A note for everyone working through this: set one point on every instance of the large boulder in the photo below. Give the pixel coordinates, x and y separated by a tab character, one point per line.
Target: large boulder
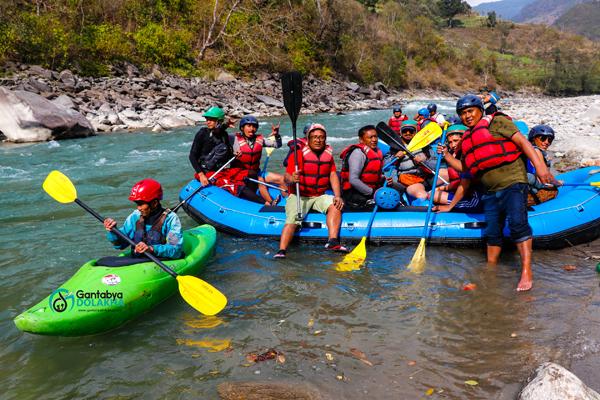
553	382
28	117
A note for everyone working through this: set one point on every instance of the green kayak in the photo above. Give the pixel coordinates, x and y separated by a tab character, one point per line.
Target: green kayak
97	298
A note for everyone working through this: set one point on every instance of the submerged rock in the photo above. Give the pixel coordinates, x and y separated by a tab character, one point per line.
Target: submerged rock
553	382
267	391
28	117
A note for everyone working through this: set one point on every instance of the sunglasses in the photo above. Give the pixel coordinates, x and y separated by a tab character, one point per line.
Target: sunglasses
546	139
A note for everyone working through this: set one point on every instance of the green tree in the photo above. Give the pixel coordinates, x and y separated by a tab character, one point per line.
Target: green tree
491	19
449	9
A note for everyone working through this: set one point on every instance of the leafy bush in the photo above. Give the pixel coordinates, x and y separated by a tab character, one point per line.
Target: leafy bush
164	46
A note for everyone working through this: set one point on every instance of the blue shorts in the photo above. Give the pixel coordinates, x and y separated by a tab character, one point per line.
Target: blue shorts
507	204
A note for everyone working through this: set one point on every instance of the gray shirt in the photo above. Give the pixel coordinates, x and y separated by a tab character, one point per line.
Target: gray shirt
356	163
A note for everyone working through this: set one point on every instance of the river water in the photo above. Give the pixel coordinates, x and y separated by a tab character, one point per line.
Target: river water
380	332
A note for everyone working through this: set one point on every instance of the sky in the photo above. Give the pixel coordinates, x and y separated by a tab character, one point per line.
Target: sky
475	2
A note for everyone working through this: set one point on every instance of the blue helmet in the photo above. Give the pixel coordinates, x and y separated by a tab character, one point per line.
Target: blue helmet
469	100
540	130
432	107
397	108
424	112
306	128
454	119
248	120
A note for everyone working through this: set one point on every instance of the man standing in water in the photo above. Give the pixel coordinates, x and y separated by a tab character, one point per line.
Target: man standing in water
316	173
492	150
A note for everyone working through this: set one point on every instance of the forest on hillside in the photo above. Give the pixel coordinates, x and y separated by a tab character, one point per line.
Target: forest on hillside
417	44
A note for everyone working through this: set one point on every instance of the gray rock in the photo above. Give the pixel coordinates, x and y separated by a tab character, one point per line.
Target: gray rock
39	85
269	101
64	101
553	382
67	78
173	121
40	71
225	77
27	117
352	86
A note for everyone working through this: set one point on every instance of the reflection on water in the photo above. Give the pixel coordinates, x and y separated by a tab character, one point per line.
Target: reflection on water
379	332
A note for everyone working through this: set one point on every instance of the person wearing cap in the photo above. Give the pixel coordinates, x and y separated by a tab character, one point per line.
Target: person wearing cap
212	148
397	118
154	229
248	146
444	194
436	116
541	137
492	151
315	175
362	166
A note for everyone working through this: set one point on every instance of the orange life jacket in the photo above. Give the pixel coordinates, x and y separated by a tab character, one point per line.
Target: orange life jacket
250	156
371	172
314	178
483	151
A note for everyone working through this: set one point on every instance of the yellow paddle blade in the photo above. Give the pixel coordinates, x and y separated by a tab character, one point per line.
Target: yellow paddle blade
353	260
417	264
425	136
270	150
596	184
60	187
201	295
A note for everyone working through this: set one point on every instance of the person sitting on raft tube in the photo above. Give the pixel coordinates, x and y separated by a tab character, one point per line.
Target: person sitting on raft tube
316	173
412	178
397	118
492	152
300	142
153	228
471	201
541	137
247	146
436	116
362	166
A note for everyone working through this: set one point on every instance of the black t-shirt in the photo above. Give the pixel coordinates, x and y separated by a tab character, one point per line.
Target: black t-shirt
210	150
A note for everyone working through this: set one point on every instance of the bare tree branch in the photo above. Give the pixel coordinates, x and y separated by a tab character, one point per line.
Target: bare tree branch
208	41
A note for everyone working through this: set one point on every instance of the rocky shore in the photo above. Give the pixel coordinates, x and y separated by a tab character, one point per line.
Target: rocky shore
133	100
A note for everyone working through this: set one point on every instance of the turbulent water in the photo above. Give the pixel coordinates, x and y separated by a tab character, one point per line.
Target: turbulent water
379	332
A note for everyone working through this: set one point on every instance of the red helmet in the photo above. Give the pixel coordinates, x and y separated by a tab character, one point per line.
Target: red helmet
146	190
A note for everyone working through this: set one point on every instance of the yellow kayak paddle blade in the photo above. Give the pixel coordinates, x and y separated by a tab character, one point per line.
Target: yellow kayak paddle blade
417	264
201	295
353	260
425	136
269	150
60	187
595	184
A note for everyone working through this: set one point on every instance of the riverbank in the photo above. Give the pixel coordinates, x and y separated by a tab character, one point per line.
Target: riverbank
132	100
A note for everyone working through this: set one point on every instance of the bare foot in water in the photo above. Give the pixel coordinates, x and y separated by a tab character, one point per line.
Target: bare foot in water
526	281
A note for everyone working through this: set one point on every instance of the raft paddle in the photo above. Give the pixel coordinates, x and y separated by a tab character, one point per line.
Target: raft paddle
291	86
196	292
417	264
425	137
595	184
269	150
199	188
265	184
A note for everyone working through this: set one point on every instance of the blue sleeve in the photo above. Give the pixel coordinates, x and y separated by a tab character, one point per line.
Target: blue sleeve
128	229
172	231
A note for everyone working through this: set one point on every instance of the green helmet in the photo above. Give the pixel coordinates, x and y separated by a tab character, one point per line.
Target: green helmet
409	123
214	112
456	129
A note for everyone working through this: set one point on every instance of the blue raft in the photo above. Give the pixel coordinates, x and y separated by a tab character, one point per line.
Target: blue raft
573	217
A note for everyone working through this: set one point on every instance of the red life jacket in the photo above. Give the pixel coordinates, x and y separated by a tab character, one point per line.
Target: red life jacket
425	122
314	178
396	123
483	151
301	143
371	172
250	156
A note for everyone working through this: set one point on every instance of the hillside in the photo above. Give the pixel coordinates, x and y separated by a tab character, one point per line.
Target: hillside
545	11
506	9
583	19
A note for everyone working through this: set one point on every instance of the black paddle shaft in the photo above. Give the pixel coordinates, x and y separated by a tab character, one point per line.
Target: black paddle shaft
291	86
127	239
389	136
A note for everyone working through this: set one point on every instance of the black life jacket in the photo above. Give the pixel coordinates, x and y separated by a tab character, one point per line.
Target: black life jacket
154	235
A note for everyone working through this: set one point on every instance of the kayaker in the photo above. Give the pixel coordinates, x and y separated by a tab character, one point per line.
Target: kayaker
247	145
301	142
434	115
541	137
412	178
153	228
397	118
212	148
471	201
316	173
362	165
492	152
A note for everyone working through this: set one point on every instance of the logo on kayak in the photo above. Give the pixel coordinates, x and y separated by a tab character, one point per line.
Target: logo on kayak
111	279
60	300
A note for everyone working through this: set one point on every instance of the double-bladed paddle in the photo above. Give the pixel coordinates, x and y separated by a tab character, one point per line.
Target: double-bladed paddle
291	86
197	293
